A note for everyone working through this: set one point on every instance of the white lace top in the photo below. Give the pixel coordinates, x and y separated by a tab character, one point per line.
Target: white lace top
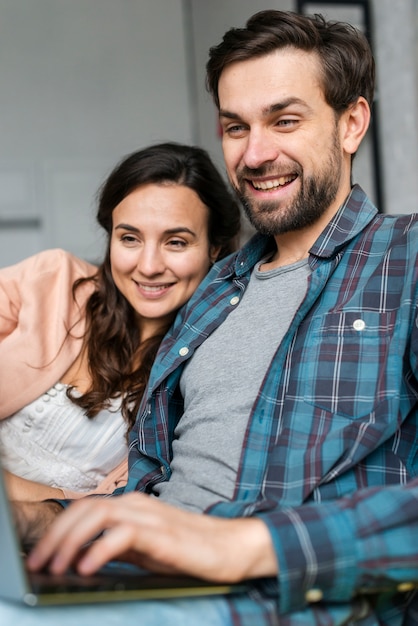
51	441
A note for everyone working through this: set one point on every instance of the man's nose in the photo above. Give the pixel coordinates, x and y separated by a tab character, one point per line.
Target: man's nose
261	148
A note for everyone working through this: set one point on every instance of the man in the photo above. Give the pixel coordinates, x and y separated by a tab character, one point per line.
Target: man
283	402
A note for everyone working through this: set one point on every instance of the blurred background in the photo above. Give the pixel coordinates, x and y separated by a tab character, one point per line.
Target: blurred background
85	82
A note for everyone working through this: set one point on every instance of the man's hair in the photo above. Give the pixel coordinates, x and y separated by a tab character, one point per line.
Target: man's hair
348	69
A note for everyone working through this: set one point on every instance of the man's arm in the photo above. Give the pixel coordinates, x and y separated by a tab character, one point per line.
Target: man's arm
342	547
34	518
335	548
156	536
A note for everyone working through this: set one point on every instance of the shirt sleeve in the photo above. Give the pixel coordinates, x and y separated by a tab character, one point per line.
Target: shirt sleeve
335	550
37	311
10	302
25	286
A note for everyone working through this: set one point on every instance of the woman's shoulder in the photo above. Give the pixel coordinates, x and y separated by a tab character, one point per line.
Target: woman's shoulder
48	265
44	272
56	259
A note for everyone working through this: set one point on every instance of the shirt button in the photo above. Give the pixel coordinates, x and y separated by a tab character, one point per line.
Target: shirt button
359	325
314	595
183	351
406	586
234	300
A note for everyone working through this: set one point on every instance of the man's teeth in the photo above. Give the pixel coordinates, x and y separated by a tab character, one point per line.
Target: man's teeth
272	184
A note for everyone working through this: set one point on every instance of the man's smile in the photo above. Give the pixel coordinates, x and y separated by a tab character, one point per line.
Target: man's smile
275	183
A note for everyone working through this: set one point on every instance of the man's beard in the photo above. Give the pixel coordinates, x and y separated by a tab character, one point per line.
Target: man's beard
315	196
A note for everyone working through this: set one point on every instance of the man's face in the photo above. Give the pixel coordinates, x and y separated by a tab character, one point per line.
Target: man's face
282	141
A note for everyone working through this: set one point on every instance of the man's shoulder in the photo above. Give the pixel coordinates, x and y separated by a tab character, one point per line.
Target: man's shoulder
395	218
397	226
392	238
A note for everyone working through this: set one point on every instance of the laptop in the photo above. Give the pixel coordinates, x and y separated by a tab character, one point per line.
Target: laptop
117	581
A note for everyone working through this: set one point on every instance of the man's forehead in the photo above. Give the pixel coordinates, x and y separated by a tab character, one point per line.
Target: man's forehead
285	75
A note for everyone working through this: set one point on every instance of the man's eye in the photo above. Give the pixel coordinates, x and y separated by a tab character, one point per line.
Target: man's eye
236	129
287	123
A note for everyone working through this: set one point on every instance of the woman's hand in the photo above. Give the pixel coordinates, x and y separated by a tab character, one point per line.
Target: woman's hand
155	536
21	489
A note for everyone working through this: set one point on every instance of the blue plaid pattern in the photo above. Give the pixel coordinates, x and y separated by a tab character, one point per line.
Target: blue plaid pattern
334	421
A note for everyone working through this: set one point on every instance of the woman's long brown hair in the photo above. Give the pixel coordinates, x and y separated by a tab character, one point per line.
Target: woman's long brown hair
119	364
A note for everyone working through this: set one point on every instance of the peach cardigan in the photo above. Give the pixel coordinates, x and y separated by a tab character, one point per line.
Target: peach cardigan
36	311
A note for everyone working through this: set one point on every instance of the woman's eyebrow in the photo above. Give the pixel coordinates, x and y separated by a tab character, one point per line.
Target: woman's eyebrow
168	231
127	227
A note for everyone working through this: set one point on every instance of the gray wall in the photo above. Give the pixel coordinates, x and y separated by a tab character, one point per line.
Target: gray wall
84	82
396	39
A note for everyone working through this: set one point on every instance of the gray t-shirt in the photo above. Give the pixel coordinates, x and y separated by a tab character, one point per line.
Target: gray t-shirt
220	384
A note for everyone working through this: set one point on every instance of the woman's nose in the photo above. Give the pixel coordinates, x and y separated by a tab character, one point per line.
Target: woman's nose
150	261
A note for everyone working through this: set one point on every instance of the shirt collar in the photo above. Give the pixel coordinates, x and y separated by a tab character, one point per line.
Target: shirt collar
351	218
256	248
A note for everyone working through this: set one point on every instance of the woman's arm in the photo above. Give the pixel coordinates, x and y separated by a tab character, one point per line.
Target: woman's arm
36	310
21	489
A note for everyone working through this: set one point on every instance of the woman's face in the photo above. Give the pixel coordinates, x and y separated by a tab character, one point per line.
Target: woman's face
159	250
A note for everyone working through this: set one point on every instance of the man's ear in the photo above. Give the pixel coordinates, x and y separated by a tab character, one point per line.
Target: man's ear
355	124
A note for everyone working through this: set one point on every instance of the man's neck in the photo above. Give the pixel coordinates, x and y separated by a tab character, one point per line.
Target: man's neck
293	246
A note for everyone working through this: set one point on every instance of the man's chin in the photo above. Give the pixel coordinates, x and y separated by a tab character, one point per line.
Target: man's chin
268	219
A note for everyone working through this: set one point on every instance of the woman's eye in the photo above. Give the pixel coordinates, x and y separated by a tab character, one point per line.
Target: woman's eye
128	239
177	243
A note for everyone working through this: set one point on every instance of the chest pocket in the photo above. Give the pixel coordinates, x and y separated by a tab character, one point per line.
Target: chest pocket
347	361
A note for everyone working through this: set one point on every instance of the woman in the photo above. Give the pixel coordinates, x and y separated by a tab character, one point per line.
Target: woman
77	342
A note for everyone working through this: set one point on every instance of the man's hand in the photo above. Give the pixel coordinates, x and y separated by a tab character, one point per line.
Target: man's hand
34	518
158	537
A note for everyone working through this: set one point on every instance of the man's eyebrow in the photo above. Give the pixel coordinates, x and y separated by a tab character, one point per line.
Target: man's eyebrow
228	114
276	107
284	104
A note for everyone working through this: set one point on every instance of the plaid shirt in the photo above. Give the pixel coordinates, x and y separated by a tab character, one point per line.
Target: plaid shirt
334	421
